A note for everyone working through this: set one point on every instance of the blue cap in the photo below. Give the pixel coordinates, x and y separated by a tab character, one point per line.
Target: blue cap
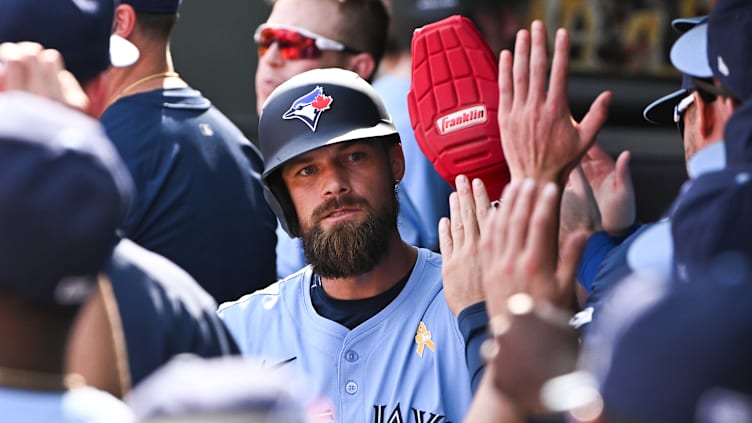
154	6
79	29
720	48
682	25
684	357
63	193
661	111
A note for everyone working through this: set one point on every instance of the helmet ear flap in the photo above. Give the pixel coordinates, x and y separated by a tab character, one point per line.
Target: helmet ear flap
281	204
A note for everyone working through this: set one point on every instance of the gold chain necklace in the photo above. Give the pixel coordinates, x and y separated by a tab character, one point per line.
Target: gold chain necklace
147	78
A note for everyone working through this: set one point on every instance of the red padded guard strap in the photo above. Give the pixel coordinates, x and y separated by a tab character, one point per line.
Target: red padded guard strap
453	103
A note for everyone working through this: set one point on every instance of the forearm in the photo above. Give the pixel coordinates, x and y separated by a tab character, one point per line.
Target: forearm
473	323
597	248
491	405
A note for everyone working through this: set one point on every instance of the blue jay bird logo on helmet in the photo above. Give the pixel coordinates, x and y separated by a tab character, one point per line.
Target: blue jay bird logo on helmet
309	107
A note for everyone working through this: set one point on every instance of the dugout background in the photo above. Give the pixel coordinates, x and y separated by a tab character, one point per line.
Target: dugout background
213	50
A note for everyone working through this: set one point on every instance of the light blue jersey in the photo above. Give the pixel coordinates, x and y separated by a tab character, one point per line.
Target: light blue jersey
79	405
405	364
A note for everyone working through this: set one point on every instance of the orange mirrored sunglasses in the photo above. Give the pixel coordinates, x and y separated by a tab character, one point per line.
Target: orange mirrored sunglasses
295	43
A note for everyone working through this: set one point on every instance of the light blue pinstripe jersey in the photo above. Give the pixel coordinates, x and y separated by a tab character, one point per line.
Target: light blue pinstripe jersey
375	372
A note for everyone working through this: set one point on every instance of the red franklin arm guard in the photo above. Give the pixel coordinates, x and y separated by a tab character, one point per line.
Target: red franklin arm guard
453	103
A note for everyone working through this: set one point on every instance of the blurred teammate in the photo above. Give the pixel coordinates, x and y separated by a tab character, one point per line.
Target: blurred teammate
163	311
64	192
200	201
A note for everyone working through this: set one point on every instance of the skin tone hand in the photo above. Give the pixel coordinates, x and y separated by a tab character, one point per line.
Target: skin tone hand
527	286
611	183
29	67
519	249
459	236
540	138
579	209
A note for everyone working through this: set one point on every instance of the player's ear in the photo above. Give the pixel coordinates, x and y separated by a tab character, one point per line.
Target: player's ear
125	20
707	119
397	160
362	64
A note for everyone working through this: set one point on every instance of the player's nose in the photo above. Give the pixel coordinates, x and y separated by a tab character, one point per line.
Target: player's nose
273	55
335	182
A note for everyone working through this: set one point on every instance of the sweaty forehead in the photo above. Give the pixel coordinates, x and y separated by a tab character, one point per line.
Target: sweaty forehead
318	16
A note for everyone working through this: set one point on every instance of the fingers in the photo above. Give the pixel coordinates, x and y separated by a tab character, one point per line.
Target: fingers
571	254
577	180
14	74
498	226
29	67
446	246
506	90
43	70
596	153
623	176
72	93
482	201
595	118
520	216
542	237
538	62
521	66
557	91
467	205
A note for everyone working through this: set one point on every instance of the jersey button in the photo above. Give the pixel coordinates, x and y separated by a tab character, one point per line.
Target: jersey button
351	388
351	356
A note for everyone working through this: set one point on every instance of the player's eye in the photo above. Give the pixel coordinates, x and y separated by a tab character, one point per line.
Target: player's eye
356	156
306	171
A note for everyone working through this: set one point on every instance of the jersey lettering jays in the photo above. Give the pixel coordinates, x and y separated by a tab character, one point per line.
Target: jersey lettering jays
404	364
419	416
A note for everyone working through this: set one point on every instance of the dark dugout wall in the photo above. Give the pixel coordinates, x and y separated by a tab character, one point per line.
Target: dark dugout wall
214	51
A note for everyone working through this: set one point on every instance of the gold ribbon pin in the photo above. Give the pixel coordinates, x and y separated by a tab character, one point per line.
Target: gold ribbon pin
423	338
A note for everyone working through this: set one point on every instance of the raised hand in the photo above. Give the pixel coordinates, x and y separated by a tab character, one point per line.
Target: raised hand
579	209
519	248
31	68
541	139
459	236
611	183
526	287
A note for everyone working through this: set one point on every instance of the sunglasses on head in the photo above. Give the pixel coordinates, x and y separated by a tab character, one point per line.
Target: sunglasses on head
679	110
295	43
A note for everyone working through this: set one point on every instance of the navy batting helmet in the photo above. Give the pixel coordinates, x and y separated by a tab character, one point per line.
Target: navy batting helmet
311	110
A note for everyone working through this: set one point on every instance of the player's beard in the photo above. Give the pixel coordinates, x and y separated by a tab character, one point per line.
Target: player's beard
350	248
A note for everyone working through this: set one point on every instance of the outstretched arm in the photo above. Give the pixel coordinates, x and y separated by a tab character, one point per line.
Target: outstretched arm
611	183
459	236
540	138
527	285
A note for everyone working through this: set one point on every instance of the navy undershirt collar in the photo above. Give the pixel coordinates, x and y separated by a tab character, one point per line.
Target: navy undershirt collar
351	313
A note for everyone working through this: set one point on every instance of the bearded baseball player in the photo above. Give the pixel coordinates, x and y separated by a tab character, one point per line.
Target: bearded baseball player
367	321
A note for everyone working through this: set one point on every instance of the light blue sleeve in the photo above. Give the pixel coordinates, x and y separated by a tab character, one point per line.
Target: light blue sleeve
290	257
